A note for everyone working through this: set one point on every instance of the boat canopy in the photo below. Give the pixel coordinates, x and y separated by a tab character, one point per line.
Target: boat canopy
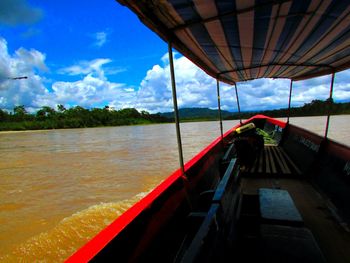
239	40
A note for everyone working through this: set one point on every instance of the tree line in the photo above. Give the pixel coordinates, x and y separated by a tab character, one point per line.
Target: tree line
75	117
314	108
79	117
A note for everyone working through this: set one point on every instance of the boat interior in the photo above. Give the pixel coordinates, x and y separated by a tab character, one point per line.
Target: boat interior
266	190
273	210
287	204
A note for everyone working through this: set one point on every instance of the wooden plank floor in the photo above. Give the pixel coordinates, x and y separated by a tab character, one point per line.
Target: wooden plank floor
332	238
273	160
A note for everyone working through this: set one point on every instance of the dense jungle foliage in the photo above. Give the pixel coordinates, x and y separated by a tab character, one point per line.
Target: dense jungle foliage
79	117
76	117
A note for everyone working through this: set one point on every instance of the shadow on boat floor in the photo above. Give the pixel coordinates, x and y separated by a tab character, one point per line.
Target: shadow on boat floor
279	240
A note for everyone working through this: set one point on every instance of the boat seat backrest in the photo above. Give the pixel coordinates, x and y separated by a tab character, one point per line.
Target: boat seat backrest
202	247
219	221
229	153
227	189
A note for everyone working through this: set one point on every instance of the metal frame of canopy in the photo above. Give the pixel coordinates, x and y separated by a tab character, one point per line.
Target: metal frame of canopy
241	40
176	110
102	240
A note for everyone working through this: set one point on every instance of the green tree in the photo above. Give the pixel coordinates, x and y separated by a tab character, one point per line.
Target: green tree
101	116
19	110
20	113
61	108
129	113
45	112
4	115
78	117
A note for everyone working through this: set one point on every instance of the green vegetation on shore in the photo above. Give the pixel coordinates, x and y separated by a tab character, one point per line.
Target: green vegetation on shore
314	108
79	117
76	117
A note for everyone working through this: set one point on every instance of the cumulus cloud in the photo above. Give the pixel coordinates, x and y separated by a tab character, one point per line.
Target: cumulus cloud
196	89
193	87
263	94
88	92
22	63
342	86
15	12
93	90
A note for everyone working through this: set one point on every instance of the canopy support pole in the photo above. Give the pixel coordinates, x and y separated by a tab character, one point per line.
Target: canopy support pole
239	108
219	106
176	110
290	98
330	101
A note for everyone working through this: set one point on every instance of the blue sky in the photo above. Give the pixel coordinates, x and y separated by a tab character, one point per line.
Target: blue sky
94	53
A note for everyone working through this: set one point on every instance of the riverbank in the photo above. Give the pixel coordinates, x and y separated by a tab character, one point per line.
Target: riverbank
78	117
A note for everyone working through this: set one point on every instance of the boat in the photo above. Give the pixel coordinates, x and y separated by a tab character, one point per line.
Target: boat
242	199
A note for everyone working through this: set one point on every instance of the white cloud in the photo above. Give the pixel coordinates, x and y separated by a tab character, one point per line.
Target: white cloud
100	38
196	89
93	90
14	12
262	94
86	67
342	86
88	92
22	63
91	67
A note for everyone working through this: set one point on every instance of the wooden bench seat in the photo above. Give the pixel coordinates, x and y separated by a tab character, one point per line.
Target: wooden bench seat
288	245
277	207
273	160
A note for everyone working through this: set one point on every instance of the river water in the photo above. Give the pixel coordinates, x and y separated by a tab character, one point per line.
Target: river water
59	188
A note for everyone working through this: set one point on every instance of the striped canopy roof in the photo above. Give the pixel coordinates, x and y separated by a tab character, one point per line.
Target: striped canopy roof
238	40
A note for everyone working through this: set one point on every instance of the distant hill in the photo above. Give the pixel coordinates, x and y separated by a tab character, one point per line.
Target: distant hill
197	114
313	108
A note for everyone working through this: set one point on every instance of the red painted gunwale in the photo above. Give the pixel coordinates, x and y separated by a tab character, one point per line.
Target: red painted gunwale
97	243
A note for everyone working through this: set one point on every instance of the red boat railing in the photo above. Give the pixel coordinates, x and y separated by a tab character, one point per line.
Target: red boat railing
95	245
